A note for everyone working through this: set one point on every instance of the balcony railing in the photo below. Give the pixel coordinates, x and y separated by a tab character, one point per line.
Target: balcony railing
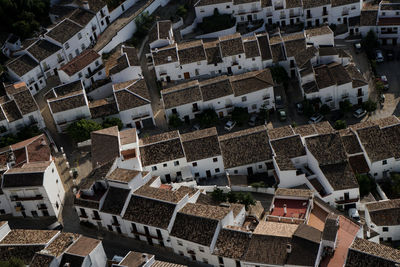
17	198
133	231
115	223
344	201
96	218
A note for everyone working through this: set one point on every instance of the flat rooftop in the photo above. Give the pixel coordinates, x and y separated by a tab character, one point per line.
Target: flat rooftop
294	208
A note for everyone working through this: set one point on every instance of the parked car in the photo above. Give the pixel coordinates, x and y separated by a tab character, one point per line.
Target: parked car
379	56
299	108
357	48
279	102
389	54
385	82
359	113
316	118
282	115
252	120
353	213
229	125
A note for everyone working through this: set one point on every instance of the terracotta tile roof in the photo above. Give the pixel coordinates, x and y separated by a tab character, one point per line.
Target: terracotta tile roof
185	93
43	49
134	95
105	145
83	246
351	144
23	252
165	55
115	200
312	3
323	127
251	81
293	3
166	264
213	52
195	229
232	244
323	77
326	148
205	211
81	16
331	228
134	259
277	52
280	132
25	102
339	73
72	260
68	103
191	52
340	176
22	65
388	121
290	147
102	108
304	193
275	229
149	212
40	260
251	49
80	62
212	2
60	244
68	89
231	45
96	174
26	237
359	164
385	212
64	31
273	250
128	136
294	44
305	246
366	253
215	88
132	55
165	149
160	31
22	178
336	3
245	147
368	17
305	56
305	130
201	144
263	43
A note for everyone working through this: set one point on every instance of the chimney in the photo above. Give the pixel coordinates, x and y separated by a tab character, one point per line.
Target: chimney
368	233
86	5
43	142
288	248
144	256
284	209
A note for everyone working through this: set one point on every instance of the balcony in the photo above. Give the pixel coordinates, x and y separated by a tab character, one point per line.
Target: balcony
235	63
282	16
42	207
190	251
41	75
345	201
141	115
84	216
115	223
17	198
195	109
60	59
293	15
269	14
96	218
389	32
91	73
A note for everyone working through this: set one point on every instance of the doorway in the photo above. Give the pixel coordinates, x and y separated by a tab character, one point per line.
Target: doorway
220	114
138	125
168	178
186	75
249	17
229	70
187	119
250	171
208	173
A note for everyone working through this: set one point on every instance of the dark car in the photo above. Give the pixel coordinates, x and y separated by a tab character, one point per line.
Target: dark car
389	54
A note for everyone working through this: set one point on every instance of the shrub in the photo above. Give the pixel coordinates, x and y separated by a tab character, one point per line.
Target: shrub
369	106
79	131
340	124
182	11
308	108
366	183
13	262
240	115
208	118
370	43
109	122
218	195
379	86
217	23
174	120
345	106
280	75
325	109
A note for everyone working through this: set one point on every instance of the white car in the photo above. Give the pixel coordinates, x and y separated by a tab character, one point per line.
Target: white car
315	118
353	213
359	113
379	56
229	125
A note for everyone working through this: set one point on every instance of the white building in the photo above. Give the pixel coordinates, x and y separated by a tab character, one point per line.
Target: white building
127	66
252	90
33	186
161	35
68	103
134	103
87	67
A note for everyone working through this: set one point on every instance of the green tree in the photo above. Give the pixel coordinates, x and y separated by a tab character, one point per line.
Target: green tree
395	182
246	199
109	122
218	195
240	115
345	106
79	131
369	106
143	23
340	124
280	75
13	262
28	132
325	109
366	183
370	43
208	118
379	86
232	197
308	108
182	11
174	121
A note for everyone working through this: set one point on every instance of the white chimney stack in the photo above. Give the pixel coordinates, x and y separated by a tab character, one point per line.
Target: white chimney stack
288	248
86	5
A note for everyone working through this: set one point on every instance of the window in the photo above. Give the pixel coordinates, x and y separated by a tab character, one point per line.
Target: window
154	168
66	45
383	13
96	63
215	159
205	260
239	67
217	170
201	249
83	47
176	163
70	56
174	111
244	98
57	206
79	36
165	165
339	19
180	243
384	162
179	174
385	229
194	164
235	171
77	52
389	239
260	166
254	106
228	6
181	253
220	260
80	74
197	174
239	56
